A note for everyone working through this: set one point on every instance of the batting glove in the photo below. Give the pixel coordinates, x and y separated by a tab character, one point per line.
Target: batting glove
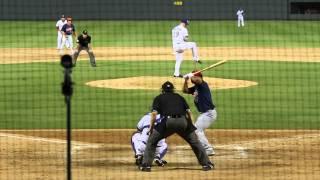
189	75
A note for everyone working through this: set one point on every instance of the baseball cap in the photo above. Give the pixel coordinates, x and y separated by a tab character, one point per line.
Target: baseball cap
85	32
167	86
186	21
62	16
199	74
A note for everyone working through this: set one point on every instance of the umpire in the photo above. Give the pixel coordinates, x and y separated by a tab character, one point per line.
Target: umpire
177	118
84	41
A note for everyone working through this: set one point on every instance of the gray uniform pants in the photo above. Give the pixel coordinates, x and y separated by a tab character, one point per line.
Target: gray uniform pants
179	126
89	51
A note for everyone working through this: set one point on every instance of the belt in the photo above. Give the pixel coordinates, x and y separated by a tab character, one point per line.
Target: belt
174	116
208	110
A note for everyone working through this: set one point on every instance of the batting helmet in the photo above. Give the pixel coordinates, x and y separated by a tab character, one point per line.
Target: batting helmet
199	74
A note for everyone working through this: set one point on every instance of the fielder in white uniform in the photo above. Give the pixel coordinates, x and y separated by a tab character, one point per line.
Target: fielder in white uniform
180	44
139	140
59	26
240	14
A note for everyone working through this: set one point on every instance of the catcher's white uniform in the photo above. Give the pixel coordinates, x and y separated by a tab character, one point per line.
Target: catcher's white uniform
240	13
140	137
179	44
59	26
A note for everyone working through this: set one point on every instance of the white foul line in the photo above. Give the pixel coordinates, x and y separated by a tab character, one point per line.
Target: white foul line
77	145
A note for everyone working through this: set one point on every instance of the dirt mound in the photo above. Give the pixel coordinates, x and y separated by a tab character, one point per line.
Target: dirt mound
155	82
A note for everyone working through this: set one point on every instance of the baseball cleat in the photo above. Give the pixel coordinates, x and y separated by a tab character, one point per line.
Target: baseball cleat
198	61
208	167
179	76
139	159
160	162
145	168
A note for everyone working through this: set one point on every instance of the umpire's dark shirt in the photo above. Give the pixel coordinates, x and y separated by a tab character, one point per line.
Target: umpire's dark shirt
169	103
84	41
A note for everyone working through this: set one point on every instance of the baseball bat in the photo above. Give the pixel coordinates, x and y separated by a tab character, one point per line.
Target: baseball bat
211	66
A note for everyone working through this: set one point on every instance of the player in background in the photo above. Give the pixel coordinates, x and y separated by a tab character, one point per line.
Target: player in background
59	26
84	43
139	140
180	44
240	14
205	106
68	31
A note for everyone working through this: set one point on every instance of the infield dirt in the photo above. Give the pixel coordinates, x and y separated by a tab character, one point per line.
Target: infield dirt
26	55
107	154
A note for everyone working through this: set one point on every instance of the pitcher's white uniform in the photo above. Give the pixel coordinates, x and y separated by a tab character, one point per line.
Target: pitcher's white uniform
179	44
59	26
240	17
139	139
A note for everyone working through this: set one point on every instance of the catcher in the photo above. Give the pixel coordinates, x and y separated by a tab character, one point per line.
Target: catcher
139	140
84	41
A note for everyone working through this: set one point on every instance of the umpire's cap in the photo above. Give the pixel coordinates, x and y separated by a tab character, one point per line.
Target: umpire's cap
185	21
167	87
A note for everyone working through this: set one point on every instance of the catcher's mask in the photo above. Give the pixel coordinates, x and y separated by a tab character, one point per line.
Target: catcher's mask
167	87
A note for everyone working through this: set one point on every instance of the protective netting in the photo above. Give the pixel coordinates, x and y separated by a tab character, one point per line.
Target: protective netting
255	108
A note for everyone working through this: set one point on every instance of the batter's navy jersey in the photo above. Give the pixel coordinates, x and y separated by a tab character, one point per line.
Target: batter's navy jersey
68	29
203	99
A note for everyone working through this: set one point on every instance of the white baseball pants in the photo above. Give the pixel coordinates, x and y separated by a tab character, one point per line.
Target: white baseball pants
59	40
203	122
240	21
179	49
139	142
68	43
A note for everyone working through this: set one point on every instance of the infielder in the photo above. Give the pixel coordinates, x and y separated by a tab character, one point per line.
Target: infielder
59	26
240	14
180	44
84	41
68	31
204	104
139	140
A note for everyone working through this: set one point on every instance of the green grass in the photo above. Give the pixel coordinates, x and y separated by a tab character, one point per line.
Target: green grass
287	96
158	33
